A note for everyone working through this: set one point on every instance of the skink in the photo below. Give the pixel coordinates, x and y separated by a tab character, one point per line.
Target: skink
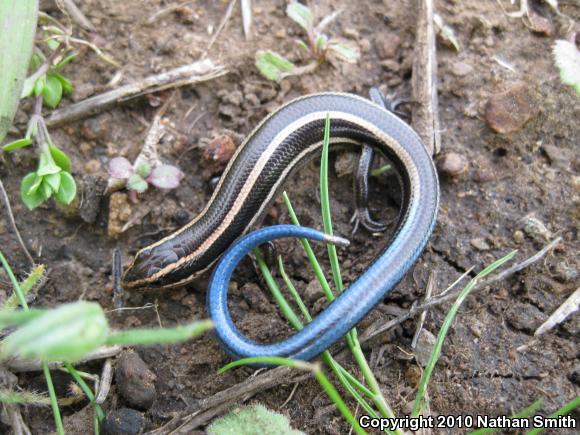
282	141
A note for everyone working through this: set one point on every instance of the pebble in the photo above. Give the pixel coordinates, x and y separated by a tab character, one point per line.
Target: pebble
124	421
483	175
536	229
217	153
313	291
480	244
509	111
93	166
461	69
518	236
452	164
387	45
135	381
540	24
413	375
424	347
93	190
345	164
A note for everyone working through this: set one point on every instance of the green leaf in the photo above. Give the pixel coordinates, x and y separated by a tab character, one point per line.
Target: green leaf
65	61
254	419
143	169
34	199
52	92
52	44
301	14
68	188
17	144
60	158
344	50
35	184
46	165
321	41
272	65
17	29
300	43
67	86
136	183
45	189
66	333
567	58
53	180
39	85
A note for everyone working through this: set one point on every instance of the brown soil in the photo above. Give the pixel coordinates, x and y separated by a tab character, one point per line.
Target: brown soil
483	369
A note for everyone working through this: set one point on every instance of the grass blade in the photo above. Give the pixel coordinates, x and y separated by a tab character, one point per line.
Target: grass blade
436	353
18	21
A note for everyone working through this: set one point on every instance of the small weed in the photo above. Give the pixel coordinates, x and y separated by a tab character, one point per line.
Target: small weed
137	180
318	47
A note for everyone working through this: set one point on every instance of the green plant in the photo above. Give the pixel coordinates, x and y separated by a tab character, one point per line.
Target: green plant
137	180
53	176
318	47
567	58
66	334
252	420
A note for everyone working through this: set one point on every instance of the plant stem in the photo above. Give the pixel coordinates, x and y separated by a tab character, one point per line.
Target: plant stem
53	400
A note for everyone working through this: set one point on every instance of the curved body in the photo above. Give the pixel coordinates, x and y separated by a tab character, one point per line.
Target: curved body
278	145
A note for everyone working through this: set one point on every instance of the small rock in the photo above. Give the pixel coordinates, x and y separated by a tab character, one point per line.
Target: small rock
536	229
413	375
480	244
509	111
452	164
540	24
217	153
280	34
123	421
574	375
345	164
93	166
524	317
313	291
566	272
387	45
461	69
119	213
518	236
135	381
256	298
186	15
424	347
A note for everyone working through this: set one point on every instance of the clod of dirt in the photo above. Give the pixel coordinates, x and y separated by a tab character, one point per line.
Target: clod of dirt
345	164
524	317
413	375
313	291
123	421
119	213
536	229
93	191
483	175
135	381
452	164
461	69
509	111
424	347
216	155
387	45
255	298
79	422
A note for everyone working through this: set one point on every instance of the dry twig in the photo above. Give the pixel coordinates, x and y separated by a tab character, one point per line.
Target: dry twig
424	81
197	72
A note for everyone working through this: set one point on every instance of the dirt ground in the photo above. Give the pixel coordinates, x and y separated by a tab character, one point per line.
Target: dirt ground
491	363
